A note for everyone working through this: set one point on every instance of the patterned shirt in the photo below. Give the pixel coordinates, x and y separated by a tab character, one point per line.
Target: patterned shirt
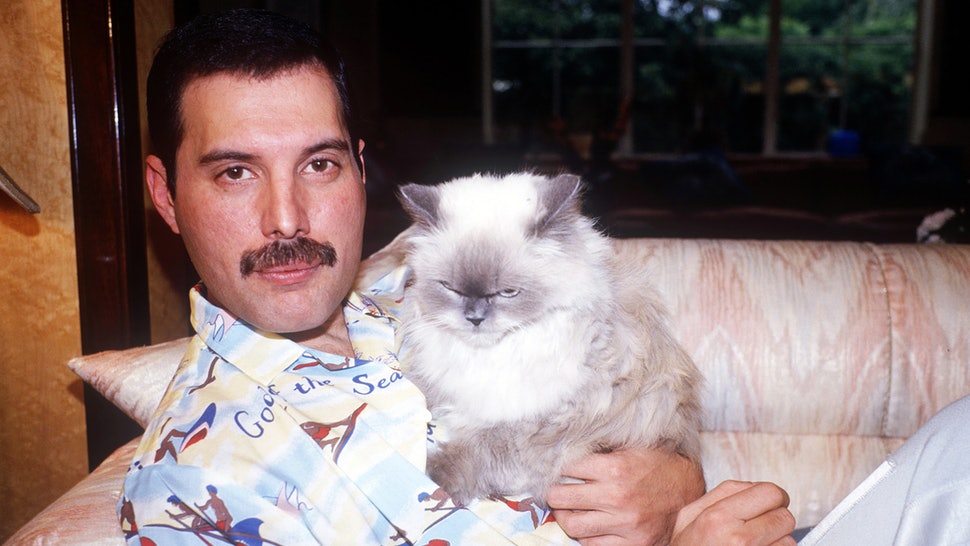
261	441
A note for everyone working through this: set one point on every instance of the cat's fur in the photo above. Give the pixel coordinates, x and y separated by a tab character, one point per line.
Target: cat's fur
533	344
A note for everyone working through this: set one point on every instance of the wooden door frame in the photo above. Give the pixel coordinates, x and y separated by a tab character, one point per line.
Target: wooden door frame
109	211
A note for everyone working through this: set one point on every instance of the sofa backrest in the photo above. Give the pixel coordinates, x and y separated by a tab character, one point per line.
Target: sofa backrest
817	337
820	358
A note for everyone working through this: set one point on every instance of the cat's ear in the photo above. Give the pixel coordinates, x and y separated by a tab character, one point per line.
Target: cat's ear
561	202
420	202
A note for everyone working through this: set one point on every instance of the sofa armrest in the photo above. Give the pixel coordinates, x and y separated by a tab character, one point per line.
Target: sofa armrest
85	515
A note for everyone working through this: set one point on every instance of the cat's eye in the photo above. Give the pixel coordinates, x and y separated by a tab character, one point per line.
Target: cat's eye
447	287
508	293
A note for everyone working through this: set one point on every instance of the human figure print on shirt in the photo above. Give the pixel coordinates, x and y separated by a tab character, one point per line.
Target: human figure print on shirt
441	503
333	435
126	516
196	432
211	522
214	528
220	512
439	497
533	345
369	307
528	505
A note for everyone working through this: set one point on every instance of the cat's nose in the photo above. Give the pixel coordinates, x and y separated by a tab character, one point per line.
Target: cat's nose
476	310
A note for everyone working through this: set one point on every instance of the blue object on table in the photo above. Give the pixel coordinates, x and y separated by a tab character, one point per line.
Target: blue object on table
843	143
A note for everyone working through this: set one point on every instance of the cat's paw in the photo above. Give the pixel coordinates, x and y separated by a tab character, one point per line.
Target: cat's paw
450	483
460	484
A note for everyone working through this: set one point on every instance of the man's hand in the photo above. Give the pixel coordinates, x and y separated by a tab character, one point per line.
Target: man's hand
737	513
629	496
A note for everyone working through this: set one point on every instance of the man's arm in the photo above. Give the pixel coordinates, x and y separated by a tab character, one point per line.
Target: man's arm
629	496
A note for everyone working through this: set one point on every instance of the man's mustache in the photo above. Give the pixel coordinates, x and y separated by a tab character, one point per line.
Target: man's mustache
278	253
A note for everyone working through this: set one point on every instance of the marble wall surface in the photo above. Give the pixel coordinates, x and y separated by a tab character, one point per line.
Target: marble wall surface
42	431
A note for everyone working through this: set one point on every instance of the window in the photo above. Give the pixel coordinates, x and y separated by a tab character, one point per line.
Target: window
699	73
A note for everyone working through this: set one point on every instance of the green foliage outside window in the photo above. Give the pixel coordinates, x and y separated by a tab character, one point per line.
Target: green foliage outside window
700	70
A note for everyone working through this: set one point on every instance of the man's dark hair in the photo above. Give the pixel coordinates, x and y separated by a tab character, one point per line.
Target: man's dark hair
255	43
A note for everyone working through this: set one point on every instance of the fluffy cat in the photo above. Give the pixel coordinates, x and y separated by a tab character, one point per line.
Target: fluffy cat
533	345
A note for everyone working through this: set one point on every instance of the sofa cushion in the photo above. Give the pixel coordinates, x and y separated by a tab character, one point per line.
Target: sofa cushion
134	380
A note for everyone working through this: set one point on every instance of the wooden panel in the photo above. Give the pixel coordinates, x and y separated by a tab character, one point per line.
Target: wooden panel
99	47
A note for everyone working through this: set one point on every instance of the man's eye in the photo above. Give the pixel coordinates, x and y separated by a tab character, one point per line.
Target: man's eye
237	173
319	165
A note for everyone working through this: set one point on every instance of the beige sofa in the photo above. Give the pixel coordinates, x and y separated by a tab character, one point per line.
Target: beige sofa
820	358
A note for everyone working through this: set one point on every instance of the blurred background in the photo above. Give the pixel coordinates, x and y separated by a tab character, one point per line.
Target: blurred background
809	119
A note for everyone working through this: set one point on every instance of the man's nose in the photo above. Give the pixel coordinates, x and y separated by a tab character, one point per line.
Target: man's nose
284	210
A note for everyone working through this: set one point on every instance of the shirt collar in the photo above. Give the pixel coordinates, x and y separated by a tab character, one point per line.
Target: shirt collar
262	355
371	317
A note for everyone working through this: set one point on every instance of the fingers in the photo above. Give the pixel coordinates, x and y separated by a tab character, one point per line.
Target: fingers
772	527
577	496
595	482
724	490
596	528
747	499
737	512
656	478
759	498
607	540
787	540
582	524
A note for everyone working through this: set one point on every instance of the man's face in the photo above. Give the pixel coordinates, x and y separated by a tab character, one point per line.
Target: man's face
268	195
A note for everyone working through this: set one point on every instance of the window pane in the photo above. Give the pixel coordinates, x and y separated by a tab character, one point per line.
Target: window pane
808	95
522	93
879	92
738	113
658	114
845	65
701	78
699	71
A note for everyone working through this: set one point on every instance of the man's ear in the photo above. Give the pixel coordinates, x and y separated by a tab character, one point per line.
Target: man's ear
157	181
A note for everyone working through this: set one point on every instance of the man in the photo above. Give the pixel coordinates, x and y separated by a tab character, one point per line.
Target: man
289	401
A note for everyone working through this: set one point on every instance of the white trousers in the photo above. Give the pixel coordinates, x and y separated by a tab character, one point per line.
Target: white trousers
920	495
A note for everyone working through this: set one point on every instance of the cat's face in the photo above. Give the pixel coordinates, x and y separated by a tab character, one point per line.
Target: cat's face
493	254
481	290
